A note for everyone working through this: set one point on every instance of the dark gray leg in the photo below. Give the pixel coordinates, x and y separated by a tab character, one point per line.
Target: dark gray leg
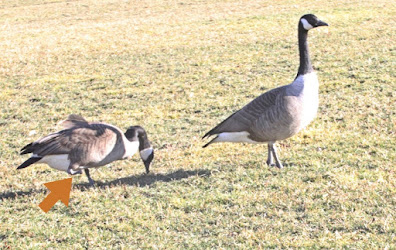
270	159
277	161
91	182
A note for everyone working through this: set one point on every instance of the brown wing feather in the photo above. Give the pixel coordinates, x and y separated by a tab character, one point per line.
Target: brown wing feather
91	142
73	120
243	119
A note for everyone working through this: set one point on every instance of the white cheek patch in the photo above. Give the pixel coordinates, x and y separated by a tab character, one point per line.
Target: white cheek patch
145	153
306	24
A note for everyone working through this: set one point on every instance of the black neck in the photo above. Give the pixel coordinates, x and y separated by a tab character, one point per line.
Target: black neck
305	61
137	133
143	142
143	139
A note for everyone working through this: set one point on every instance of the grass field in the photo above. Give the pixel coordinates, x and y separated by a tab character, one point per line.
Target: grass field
178	68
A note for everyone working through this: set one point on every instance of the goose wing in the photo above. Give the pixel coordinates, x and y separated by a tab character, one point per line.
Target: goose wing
91	142
73	120
242	120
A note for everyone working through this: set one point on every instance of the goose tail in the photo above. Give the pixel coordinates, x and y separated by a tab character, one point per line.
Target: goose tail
27	149
29	162
210	142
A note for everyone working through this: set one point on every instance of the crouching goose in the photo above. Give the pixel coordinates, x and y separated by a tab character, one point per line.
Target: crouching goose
281	112
83	145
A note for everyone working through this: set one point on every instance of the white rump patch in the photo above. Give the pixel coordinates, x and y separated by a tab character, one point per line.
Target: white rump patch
59	162
235	137
306	24
145	153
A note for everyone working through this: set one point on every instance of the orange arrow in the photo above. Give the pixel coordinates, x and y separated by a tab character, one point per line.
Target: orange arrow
60	190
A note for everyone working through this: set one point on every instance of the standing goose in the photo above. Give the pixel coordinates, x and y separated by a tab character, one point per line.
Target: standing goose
84	145
281	112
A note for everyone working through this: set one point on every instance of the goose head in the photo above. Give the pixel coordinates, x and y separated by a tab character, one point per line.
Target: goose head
310	21
137	133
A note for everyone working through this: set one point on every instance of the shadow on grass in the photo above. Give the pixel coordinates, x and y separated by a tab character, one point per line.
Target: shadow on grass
12	195
147	179
138	180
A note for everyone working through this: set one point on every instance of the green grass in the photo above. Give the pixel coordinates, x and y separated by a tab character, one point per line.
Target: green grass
178	68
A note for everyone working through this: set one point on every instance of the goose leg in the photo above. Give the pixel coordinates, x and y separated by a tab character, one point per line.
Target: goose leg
277	161
91	182
270	159
72	170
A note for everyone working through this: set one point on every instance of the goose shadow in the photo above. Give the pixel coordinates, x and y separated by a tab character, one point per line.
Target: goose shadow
147	179
15	194
137	180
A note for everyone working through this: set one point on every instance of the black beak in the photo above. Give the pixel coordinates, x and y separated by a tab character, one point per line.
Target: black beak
147	162
321	23
147	166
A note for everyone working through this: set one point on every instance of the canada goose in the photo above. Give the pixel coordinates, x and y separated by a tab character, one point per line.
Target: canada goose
83	145
278	113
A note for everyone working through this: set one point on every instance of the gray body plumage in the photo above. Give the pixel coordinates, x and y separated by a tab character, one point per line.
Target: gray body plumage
84	145
278	113
89	145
